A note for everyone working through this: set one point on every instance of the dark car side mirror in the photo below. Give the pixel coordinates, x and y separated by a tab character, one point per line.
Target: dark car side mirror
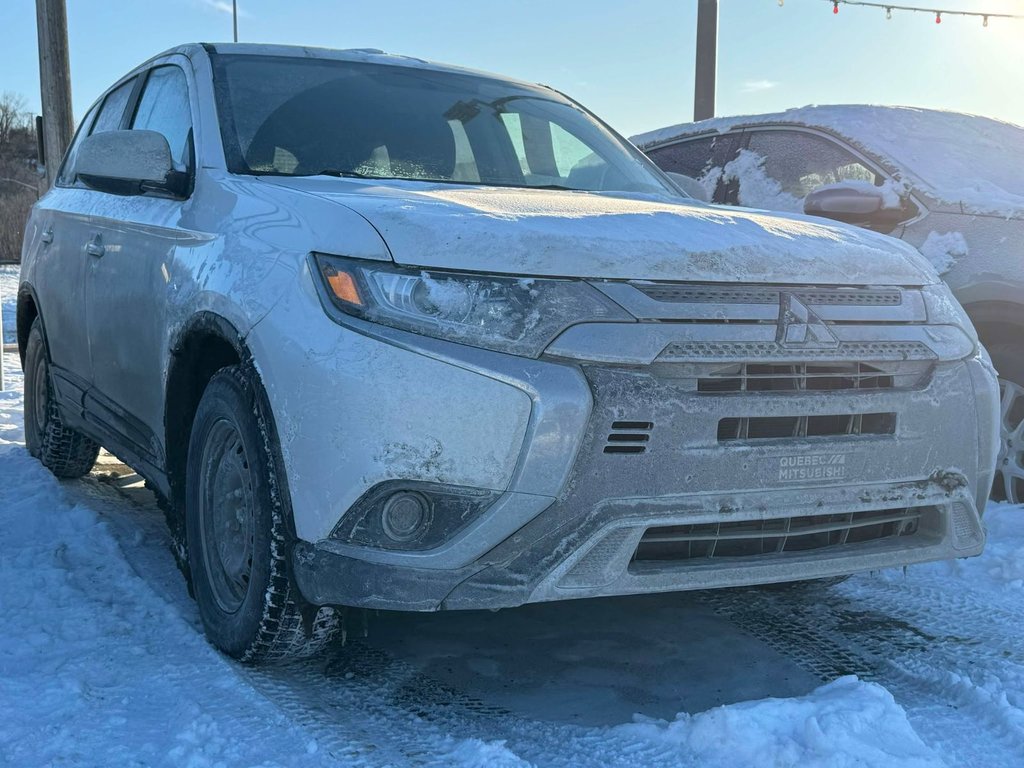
129	163
859	203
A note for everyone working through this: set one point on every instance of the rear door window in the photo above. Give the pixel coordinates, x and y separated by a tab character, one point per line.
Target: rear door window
111	114
701	158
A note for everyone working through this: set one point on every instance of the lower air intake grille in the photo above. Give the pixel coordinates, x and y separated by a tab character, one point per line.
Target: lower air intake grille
790	427
752	538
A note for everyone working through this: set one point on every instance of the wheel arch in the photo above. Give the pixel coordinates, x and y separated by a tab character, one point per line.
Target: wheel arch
994	317
25	314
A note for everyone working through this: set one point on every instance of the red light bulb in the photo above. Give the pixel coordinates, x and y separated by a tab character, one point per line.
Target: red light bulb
835	7
938	18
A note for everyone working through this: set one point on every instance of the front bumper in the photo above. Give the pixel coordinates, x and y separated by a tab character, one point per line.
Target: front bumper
574	518
935	469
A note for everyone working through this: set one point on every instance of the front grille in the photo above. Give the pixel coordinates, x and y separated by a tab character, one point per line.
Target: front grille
780	536
709	294
814	377
790	427
695	351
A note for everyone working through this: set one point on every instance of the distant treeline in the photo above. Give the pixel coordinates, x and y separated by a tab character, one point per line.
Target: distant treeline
19	181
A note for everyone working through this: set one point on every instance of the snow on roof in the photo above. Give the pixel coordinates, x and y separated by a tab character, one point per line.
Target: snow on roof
956	158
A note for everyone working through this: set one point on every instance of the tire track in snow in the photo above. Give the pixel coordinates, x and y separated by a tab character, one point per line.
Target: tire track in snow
858	628
366	707
362	706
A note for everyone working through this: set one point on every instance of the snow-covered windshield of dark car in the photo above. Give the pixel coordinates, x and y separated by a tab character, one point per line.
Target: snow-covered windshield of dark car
301	117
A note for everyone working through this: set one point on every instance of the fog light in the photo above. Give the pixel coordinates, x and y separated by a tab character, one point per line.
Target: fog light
404	515
411	515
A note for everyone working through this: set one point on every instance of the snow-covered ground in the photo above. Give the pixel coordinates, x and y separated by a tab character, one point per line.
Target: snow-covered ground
8	291
103	663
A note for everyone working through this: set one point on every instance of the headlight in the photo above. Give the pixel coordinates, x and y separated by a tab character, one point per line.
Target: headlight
516	315
943	309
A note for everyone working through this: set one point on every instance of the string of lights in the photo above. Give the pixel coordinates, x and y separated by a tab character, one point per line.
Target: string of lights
938	13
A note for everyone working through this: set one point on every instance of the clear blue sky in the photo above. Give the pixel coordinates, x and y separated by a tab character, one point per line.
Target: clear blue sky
631	62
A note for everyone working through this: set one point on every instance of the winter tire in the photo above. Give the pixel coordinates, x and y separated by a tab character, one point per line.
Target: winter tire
236	507
1008	484
64	451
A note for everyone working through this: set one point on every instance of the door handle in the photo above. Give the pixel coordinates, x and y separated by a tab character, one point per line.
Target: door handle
95	247
47	236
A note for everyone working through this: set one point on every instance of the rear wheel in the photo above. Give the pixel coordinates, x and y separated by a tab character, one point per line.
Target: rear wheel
64	451
236	508
1009	479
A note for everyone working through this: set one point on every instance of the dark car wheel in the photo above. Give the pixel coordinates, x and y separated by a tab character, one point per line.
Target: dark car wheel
236	506
64	451
1009	479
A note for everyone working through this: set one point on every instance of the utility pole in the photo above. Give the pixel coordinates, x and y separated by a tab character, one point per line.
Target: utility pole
234	17
707	60
54	82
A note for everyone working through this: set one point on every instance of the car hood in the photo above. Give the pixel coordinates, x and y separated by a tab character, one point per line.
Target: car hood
580	234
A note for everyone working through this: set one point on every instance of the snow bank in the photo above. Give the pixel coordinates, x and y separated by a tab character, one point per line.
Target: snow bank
844	723
944	250
8	299
956	158
998	571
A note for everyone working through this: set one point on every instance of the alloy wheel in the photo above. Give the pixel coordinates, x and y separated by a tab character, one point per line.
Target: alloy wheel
1009	481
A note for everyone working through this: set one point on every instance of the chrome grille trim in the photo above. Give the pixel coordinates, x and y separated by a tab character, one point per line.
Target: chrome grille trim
704	294
878	351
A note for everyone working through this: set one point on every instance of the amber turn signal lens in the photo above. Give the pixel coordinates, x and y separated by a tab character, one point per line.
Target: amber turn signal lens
343	286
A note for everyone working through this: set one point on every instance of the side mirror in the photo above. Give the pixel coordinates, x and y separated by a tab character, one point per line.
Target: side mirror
129	163
859	203
689	186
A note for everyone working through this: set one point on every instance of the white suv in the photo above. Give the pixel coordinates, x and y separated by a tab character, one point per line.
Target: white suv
390	334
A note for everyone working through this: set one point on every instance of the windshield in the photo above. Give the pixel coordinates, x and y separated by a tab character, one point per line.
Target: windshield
302	117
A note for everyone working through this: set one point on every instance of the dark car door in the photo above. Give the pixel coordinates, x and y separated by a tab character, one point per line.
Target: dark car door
127	285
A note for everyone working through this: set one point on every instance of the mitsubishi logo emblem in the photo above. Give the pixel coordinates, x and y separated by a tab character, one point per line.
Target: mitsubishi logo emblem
799	327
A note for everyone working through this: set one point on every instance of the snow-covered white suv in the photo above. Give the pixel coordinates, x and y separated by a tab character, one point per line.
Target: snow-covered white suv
948	183
397	335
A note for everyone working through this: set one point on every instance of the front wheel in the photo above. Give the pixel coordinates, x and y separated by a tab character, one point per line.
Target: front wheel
64	451
235	526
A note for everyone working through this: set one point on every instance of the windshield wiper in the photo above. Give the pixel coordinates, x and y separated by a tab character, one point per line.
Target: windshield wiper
343	174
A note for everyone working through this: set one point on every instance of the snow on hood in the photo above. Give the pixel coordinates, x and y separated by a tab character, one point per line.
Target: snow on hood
956	158
578	234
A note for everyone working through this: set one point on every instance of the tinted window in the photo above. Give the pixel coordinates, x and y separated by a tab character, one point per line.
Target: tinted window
690	158
305	116
109	118
802	162
164	108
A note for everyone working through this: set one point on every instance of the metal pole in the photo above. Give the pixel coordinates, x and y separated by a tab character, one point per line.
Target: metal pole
234	17
54	82
707	60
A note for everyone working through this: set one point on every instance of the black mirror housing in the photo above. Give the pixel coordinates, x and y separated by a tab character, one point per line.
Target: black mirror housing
860	204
